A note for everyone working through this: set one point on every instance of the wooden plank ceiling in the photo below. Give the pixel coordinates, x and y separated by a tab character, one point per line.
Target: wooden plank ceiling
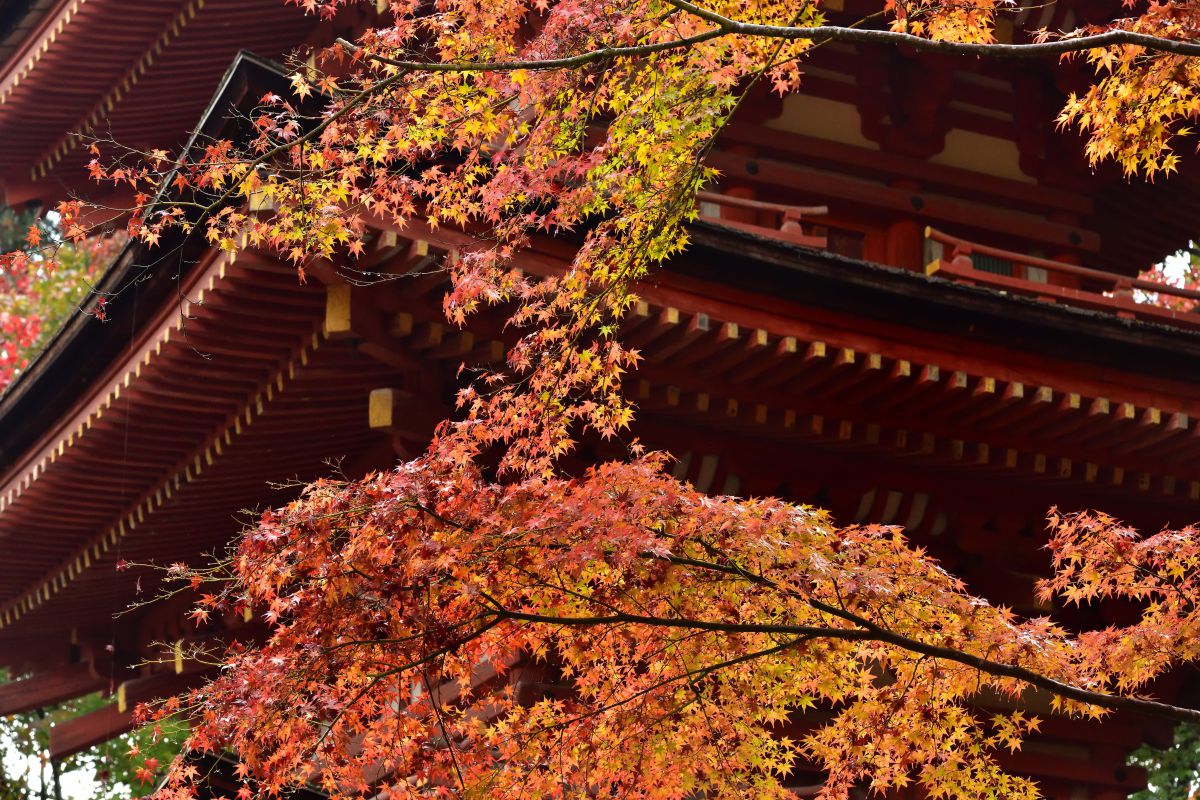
155	465
138	71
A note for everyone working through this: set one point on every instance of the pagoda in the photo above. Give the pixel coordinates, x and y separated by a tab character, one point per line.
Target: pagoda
908	300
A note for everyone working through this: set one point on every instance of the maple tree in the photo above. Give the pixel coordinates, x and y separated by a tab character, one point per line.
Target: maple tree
683	629
683	632
1183	274
42	286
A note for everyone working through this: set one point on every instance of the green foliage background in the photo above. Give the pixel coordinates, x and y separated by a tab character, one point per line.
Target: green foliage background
51	294
1173	773
27	774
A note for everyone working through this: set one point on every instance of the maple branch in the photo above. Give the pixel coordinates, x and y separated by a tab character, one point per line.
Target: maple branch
688	675
817	34
569	62
404	639
362	95
986	665
1033	49
810	631
1002	670
868	631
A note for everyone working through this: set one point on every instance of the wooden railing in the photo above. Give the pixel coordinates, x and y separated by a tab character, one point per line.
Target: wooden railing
786	220
964	261
1099	290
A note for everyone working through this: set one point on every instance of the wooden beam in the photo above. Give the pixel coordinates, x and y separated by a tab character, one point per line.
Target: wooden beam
874	162
795	361
922	382
337	311
707	347
832	187
49	687
651	329
679	339
88	730
1090	771
76	735
383	407
402	413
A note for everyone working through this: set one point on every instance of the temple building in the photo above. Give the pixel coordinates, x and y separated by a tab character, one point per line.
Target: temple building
908	300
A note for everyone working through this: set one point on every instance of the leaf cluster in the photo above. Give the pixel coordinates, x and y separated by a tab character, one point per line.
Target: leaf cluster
686	634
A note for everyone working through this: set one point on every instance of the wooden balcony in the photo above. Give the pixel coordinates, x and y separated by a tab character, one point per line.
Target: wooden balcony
777	220
962	261
1051	281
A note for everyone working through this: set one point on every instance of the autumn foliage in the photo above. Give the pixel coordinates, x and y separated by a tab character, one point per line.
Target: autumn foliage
683	633
43	283
678	636
1186	277
1142	102
517	119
